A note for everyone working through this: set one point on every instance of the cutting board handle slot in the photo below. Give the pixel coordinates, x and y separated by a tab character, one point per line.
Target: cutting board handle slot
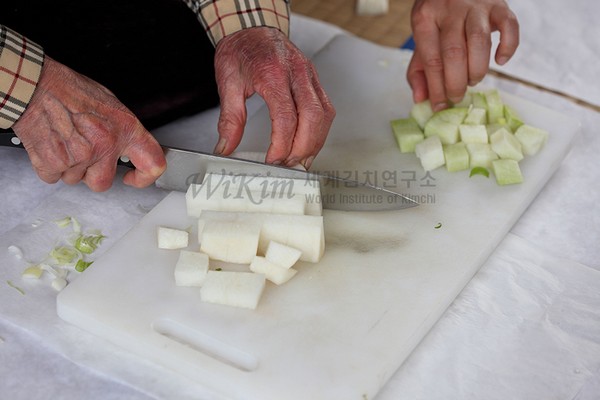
205	344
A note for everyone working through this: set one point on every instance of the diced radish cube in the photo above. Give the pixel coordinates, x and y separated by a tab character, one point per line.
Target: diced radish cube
281	254
512	118
273	272
507	172
495	106
477	116
481	155
191	268
445	124
473	133
466	101
238	289
479	101
532	139
407	133
169	238
233	242
457	157
421	112
431	153
506	145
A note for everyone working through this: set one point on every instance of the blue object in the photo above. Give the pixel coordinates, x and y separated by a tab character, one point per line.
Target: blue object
409	44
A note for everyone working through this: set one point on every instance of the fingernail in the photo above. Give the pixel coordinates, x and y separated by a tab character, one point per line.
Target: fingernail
502	60
292	163
455	100
220	147
439	106
307	162
277	162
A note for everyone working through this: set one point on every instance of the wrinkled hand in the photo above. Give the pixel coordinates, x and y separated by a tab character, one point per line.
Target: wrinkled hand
264	61
74	129
453	44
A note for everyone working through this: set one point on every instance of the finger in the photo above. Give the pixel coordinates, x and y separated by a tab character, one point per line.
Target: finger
232	117
505	21
454	56
329	116
148	158
277	94
428	46
99	176
415	75
48	176
74	174
479	46
311	116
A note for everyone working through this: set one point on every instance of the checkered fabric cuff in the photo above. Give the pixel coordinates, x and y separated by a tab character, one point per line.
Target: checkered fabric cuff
21	63
224	17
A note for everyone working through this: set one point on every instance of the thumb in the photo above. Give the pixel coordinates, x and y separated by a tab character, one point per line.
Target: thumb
147	156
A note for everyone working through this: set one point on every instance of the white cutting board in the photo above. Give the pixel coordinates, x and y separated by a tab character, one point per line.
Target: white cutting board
341	327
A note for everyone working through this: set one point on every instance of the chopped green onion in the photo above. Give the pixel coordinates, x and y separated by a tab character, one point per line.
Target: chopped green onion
76	225
218	269
64	255
33	272
82	265
438	226
480	171
64	222
12	285
87	244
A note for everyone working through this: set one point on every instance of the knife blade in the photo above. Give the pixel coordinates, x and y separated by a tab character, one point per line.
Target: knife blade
185	167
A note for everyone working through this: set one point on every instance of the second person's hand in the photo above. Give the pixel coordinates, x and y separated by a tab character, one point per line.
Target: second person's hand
453	45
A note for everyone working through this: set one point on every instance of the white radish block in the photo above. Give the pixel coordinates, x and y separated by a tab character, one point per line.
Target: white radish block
169	238
506	145
269	186
473	133
431	153
234	242
191	268
282	255
237	289
303	232
273	272
222	197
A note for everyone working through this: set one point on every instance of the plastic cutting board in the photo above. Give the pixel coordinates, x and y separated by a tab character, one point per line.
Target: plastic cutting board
341	327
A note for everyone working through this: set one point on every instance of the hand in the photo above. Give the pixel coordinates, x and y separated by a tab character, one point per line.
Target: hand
453	44
263	60
74	129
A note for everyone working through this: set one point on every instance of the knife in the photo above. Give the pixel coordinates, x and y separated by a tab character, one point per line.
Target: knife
186	167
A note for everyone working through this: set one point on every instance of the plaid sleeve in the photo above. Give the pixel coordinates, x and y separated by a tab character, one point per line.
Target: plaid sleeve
223	17
20	67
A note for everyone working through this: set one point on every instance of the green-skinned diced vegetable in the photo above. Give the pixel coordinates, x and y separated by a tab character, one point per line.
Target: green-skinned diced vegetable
87	244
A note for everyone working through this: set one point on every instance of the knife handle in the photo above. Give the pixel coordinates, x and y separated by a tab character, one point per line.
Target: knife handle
9	139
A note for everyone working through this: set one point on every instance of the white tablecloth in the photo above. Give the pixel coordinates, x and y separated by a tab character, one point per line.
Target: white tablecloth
527	326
